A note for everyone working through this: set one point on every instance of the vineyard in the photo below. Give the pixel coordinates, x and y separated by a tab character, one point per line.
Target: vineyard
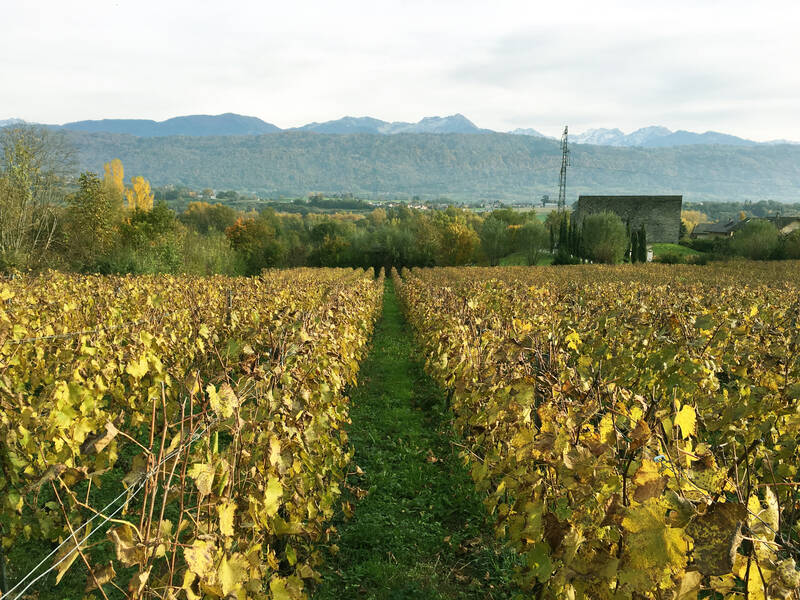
634	429
628	432
182	435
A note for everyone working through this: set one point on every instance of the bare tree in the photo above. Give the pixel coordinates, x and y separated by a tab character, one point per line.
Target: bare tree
34	165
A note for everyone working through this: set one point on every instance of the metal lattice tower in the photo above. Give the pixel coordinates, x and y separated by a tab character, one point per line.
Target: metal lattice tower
562	182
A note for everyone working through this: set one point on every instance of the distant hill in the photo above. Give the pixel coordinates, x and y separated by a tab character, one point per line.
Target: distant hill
193	125
233	124
529	131
453	124
657	137
470	167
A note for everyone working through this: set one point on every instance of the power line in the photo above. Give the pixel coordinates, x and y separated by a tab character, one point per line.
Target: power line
138	487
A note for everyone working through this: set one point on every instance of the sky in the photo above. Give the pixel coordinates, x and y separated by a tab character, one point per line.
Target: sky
700	65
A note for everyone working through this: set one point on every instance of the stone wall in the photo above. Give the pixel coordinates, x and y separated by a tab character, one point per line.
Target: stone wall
660	215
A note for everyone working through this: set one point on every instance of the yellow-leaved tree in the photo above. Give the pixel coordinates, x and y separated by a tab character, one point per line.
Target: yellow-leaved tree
114	178
691	218
139	196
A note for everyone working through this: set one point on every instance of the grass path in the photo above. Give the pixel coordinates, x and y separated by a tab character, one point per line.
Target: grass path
421	530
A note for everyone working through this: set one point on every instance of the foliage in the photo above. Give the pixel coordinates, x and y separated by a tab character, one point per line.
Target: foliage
209	254
757	239
791	245
204	217
33	168
212	408
92	220
139	195
495	239
634	429
604	237
532	240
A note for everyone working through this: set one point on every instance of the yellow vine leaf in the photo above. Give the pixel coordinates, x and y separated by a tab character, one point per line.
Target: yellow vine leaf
68	554
655	550
286	588
233	573
686	419
226	512
200	558
138	582
137	369
272	496
203	475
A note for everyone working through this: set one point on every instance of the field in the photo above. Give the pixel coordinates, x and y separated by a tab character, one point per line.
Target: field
547	432
634	429
189	432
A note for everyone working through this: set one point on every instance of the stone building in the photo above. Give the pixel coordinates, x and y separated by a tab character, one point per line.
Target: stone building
660	215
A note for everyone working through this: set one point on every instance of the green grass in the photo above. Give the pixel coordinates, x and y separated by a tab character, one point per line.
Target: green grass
421	531
518	258
661	249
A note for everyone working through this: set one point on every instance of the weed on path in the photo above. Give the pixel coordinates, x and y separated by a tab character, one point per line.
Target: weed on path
419	529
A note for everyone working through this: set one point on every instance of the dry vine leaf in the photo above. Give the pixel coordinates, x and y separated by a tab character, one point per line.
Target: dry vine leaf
125	544
101	576
69	552
97	442
716	537
648	481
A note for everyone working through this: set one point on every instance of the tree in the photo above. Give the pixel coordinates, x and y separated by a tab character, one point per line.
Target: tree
256	241
757	239
459	243
532	240
139	196
204	217
33	167
629	235
494	239
642	245
692	218
91	223
114	178
604	237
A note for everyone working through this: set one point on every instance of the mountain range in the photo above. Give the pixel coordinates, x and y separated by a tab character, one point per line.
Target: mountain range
233	124
461	167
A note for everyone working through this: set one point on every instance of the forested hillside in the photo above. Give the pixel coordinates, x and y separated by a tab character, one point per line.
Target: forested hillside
467	167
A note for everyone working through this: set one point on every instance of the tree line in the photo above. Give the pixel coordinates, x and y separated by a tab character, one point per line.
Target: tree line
101	223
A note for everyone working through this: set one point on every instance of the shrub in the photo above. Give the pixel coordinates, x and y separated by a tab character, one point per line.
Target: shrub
671	258
604	237
791	245
757	240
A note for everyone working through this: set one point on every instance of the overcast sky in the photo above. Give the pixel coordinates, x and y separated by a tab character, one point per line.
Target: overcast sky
701	65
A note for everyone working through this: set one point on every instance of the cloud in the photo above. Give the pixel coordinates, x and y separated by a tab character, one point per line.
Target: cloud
693	64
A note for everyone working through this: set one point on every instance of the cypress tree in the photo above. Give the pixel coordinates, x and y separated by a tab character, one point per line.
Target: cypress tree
634	247
552	239
643	245
628	232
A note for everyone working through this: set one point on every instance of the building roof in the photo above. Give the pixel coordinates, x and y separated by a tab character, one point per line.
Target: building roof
701	228
781	222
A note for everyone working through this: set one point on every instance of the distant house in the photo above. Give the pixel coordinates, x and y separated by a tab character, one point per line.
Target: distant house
704	231
707	231
785	225
659	215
